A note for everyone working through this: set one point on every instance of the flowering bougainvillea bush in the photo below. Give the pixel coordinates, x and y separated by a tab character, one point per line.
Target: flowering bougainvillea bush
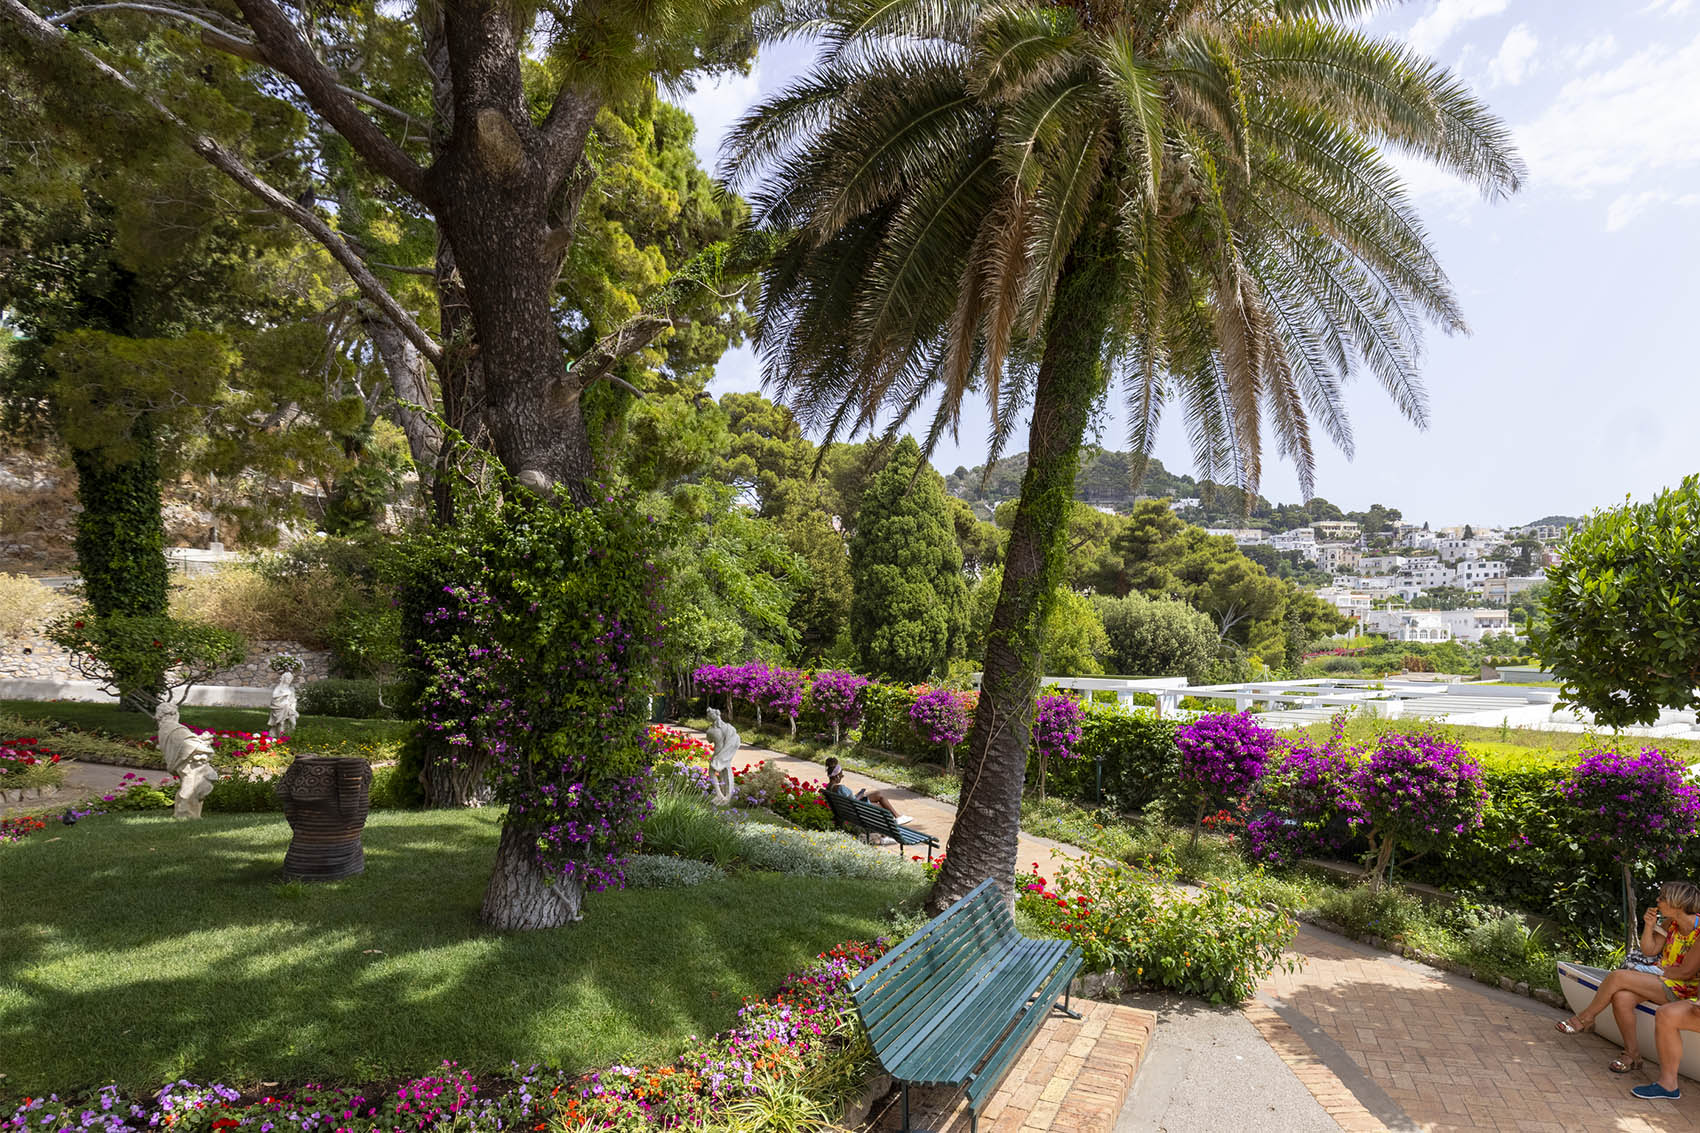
1216	943
804	1047
1221	758
1057	722
836	697
942	716
1418	791
535	631
26	762
1309	801
1632	808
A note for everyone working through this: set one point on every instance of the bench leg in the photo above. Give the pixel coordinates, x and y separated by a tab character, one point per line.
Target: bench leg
1065	1009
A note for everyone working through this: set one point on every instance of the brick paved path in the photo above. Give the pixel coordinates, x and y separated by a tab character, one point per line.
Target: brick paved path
1422	1049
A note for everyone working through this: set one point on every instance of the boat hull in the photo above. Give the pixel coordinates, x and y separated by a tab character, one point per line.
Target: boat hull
1579	983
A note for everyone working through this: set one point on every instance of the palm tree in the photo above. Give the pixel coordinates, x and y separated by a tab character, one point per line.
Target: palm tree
1027	200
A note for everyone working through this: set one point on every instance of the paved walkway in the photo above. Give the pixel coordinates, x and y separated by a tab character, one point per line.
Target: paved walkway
82	781
1423	1049
1357	1039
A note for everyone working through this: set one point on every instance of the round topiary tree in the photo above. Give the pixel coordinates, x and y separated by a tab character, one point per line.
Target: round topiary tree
1632	811
1417	791
942	716
1157	638
1621	606
1057	724
836	696
1309	801
1221	757
909	614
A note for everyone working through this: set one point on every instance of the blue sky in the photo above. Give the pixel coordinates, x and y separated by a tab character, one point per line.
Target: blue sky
1578	384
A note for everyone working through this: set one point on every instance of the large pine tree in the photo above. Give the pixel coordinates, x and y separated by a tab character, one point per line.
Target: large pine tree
910	611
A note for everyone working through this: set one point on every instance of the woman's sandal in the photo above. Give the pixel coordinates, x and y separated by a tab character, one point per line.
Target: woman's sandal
1625	1066
1569	1027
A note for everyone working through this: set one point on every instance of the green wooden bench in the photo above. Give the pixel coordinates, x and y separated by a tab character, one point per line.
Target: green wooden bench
868	819
956	1003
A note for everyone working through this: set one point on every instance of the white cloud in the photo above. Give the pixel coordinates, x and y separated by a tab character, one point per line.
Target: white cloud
1435	27
716	106
1669	7
1596	50
1623	211
1630	124
1516	59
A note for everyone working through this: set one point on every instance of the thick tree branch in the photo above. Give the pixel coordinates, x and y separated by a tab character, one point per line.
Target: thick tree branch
564	132
221	40
286	51
45	36
599	361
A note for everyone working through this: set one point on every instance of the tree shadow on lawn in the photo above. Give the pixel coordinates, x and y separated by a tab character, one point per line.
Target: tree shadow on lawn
137	950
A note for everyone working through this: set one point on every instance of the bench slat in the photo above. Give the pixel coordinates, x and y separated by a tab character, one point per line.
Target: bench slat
959	1034
928	970
917	1016
895	957
1003	1056
982	1016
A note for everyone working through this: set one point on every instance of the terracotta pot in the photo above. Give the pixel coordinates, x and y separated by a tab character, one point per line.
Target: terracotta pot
325	800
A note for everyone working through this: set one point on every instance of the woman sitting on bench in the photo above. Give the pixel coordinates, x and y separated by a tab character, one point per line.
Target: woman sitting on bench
835	782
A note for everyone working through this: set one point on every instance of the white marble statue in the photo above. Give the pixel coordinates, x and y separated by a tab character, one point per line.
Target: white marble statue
283	718
187	756
725	739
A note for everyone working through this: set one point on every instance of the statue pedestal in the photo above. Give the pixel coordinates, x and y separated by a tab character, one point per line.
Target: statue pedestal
326	801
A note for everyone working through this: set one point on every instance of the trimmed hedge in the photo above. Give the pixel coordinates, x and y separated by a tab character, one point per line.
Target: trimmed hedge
334	696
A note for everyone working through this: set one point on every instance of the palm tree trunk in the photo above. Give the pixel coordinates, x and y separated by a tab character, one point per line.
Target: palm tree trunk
983	842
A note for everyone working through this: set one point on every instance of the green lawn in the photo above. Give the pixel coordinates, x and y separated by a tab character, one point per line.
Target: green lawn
313	733
139	950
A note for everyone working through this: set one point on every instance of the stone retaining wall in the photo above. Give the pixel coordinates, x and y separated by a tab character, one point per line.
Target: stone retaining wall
34	658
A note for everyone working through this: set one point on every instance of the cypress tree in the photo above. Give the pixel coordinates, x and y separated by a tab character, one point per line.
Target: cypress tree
909	614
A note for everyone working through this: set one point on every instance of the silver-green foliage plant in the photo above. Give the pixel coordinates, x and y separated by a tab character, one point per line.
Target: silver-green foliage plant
1622	605
812	853
658	871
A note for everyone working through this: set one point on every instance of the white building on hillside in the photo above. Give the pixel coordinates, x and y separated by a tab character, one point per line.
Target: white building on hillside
1382	564
1329	530
1473	625
1338	556
1351	603
1242	536
1501	589
1471	573
1407	625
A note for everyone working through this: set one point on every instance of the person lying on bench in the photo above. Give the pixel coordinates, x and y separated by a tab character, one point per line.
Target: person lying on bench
835	782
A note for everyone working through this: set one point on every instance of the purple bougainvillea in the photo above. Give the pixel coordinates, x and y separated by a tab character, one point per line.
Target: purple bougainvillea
941	716
837	697
1310	801
1636	810
1057	722
1221	757
1417	791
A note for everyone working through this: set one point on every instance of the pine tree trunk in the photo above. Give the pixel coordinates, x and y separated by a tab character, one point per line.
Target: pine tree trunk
983	841
520	896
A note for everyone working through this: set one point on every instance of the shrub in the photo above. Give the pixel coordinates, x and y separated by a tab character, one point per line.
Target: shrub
1158	638
1221	758
262	606
1310	804
1216	943
1056	731
653	871
685	824
27	762
26	606
1141	763
337	696
817	854
940	716
1418	791
885	720
1363	910
835	696
142	657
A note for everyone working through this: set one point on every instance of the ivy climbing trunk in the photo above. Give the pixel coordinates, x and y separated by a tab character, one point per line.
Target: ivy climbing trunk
984	839
120	545
454	783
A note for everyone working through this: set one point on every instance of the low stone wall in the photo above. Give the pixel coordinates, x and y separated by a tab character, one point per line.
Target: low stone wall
34	658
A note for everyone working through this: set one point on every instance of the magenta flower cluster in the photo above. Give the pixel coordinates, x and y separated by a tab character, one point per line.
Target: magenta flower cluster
837	697
1310	802
941	716
1635	809
1222	755
1057	724
757	684
1420	790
